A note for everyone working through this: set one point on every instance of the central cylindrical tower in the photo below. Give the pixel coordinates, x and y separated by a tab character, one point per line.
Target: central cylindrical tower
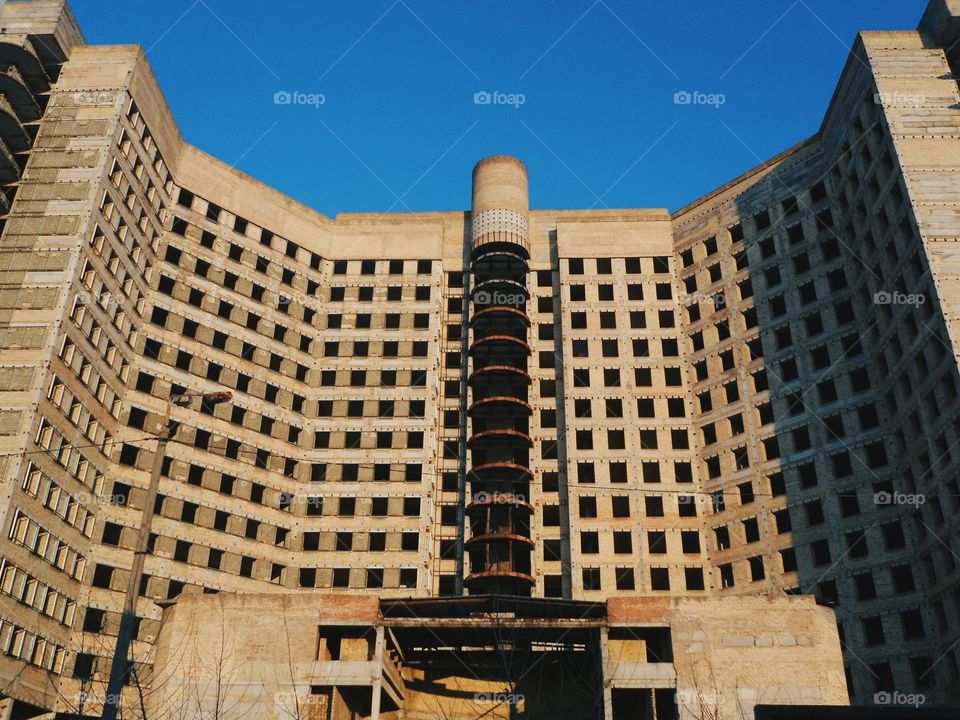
499	546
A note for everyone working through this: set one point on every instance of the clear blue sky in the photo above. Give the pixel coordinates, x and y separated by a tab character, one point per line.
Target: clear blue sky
399	127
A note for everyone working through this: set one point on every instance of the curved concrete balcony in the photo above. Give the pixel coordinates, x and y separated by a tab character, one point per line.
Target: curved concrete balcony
500	438
12	131
499	316
501	471
15	50
508	387
14	88
499	405
492	329
494	500
494	537
502	263
498	346
508	582
500	376
9	167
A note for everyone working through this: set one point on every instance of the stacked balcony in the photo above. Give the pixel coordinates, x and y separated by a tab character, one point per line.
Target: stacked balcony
24	90
500	548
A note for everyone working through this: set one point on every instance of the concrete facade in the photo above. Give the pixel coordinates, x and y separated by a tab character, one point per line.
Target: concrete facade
315	655
755	395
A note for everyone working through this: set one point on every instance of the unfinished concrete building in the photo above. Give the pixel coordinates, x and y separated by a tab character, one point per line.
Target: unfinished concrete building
315	655
572	412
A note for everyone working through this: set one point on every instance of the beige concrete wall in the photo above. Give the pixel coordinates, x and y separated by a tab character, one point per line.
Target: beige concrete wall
728	655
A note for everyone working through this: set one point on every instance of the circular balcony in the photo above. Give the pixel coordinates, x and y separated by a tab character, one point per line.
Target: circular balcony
500	376
13	87
499	405
12	131
498	316
498	347
503	582
510	388
500	471
9	167
484	501
488	538
14	50
500	438
503	554
501	262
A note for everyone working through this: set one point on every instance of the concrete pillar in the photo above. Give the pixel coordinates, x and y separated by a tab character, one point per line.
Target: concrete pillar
605	669
377	683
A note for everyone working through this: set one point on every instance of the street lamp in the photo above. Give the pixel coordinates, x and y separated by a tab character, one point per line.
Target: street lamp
119	668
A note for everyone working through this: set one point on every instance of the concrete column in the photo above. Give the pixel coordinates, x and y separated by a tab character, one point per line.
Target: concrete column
377	683
604	671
